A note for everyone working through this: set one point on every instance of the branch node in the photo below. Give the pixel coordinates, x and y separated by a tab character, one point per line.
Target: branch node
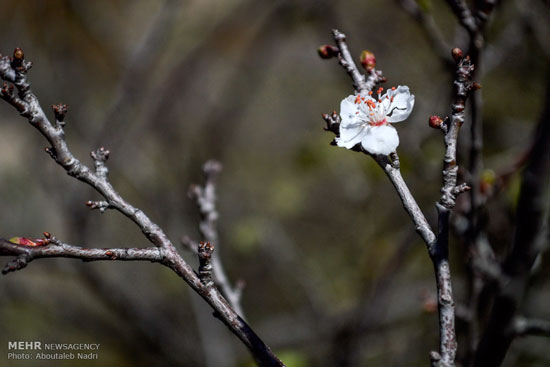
205	251
59	111
333	122
100	156
101	205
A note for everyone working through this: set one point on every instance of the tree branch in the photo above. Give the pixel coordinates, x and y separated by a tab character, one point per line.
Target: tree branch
437	245
14	70
464	15
360	84
205	198
56	248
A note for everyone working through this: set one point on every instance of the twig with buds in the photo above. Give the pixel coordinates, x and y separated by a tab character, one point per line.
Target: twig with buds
13	70
437	245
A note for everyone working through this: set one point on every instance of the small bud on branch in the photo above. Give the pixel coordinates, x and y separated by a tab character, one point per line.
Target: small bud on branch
435	122
59	110
457	54
368	60
328	51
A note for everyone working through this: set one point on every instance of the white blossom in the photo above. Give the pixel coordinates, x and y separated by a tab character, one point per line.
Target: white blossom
367	120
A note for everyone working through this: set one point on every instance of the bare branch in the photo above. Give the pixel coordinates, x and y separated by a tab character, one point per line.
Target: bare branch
205	198
14	71
56	248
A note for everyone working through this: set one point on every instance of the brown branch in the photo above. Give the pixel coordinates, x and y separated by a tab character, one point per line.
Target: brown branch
14	71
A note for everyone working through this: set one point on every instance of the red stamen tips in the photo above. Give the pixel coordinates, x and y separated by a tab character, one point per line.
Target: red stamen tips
357	99
370	93
380	90
393	88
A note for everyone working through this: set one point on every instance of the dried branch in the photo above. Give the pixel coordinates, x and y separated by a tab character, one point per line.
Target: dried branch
205	198
14	71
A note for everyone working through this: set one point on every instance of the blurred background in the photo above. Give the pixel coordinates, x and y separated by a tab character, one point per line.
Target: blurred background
332	264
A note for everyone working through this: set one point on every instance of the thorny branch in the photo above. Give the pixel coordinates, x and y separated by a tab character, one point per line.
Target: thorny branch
205	198
437	245
14	70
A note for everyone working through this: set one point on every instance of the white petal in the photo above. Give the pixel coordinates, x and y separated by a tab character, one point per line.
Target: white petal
402	105
348	110
380	139
350	135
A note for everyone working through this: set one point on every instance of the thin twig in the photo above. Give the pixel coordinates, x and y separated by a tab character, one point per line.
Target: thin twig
205	198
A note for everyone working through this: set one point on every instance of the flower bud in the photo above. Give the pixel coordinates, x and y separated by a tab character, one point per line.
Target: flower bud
59	111
18	54
18	57
327	51
435	121
368	60
457	53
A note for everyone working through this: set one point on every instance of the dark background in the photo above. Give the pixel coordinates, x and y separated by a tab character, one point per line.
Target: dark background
316	232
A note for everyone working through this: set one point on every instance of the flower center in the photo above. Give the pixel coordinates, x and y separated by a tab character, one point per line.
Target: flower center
377	110
375	122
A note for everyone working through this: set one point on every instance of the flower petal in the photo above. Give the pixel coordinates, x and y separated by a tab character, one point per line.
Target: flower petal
350	135
380	139
348	110
402	104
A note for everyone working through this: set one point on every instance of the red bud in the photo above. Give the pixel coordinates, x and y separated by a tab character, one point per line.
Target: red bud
435	121
368	60
327	51
457	53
